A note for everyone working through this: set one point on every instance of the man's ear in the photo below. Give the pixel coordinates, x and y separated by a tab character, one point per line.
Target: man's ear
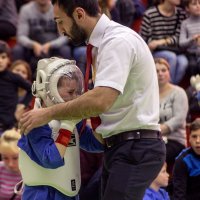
79	14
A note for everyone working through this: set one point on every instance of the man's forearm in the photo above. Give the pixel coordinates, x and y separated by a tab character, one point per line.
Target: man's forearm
92	103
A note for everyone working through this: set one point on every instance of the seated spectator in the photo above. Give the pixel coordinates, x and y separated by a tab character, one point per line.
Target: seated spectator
155	191
9	85
160	28
20	3
173	112
106	6
9	169
37	35
186	174
190	35
23	69
127	11
8	19
121	11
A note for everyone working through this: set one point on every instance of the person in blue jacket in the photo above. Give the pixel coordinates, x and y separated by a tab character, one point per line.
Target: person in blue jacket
155	191
186	175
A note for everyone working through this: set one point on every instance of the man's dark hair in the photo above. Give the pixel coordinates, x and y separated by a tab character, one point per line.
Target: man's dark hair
91	7
4	48
195	125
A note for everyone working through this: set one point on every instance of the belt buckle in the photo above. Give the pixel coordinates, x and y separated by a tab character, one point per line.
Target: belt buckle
137	135
109	142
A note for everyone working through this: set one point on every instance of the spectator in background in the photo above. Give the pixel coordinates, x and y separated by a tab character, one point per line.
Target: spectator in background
23	69
8	19
9	85
186	174
106	6
121	11
9	169
20	3
37	35
160	28
173	112
155	191
190	35
126	9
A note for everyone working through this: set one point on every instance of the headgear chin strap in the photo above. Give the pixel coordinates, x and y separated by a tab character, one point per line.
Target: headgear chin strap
49	72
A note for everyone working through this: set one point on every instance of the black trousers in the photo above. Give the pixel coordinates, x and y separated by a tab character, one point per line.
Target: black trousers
130	167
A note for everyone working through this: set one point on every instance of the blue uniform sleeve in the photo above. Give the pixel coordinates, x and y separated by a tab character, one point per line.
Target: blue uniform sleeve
88	142
147	195
40	147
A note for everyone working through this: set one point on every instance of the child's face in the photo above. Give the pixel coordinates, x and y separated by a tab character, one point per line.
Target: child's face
11	161
4	61
163	177
21	70
194	7
195	141
68	89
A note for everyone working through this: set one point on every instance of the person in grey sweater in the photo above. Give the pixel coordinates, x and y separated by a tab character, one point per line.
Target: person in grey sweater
190	35
8	19
173	112
37	35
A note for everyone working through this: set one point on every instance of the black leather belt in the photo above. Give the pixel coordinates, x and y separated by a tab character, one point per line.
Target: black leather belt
132	135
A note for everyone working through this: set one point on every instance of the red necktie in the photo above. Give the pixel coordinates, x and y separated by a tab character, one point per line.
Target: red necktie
95	121
87	74
89	63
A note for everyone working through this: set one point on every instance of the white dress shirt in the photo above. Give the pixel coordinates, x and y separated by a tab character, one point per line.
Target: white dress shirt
124	62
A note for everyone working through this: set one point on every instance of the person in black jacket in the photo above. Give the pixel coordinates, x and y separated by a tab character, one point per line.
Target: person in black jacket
9	85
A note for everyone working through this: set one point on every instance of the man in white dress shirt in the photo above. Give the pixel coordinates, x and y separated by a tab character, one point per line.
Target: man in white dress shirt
125	97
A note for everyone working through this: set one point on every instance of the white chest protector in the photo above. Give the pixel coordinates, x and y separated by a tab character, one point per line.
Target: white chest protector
55	83
66	179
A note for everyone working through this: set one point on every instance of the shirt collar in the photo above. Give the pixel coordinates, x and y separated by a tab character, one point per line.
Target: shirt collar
99	30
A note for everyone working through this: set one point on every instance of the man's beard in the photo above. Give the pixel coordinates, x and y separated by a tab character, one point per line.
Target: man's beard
78	35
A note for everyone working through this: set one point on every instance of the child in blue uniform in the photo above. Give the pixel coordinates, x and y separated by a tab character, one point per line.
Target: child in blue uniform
49	159
155	192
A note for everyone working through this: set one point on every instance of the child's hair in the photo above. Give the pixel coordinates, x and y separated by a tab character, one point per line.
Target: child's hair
26	65
4	48
162	61
195	125
8	141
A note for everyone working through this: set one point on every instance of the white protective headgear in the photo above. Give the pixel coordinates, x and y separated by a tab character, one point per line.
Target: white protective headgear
49	72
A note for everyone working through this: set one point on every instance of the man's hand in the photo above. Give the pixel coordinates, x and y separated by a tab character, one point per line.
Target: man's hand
33	119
